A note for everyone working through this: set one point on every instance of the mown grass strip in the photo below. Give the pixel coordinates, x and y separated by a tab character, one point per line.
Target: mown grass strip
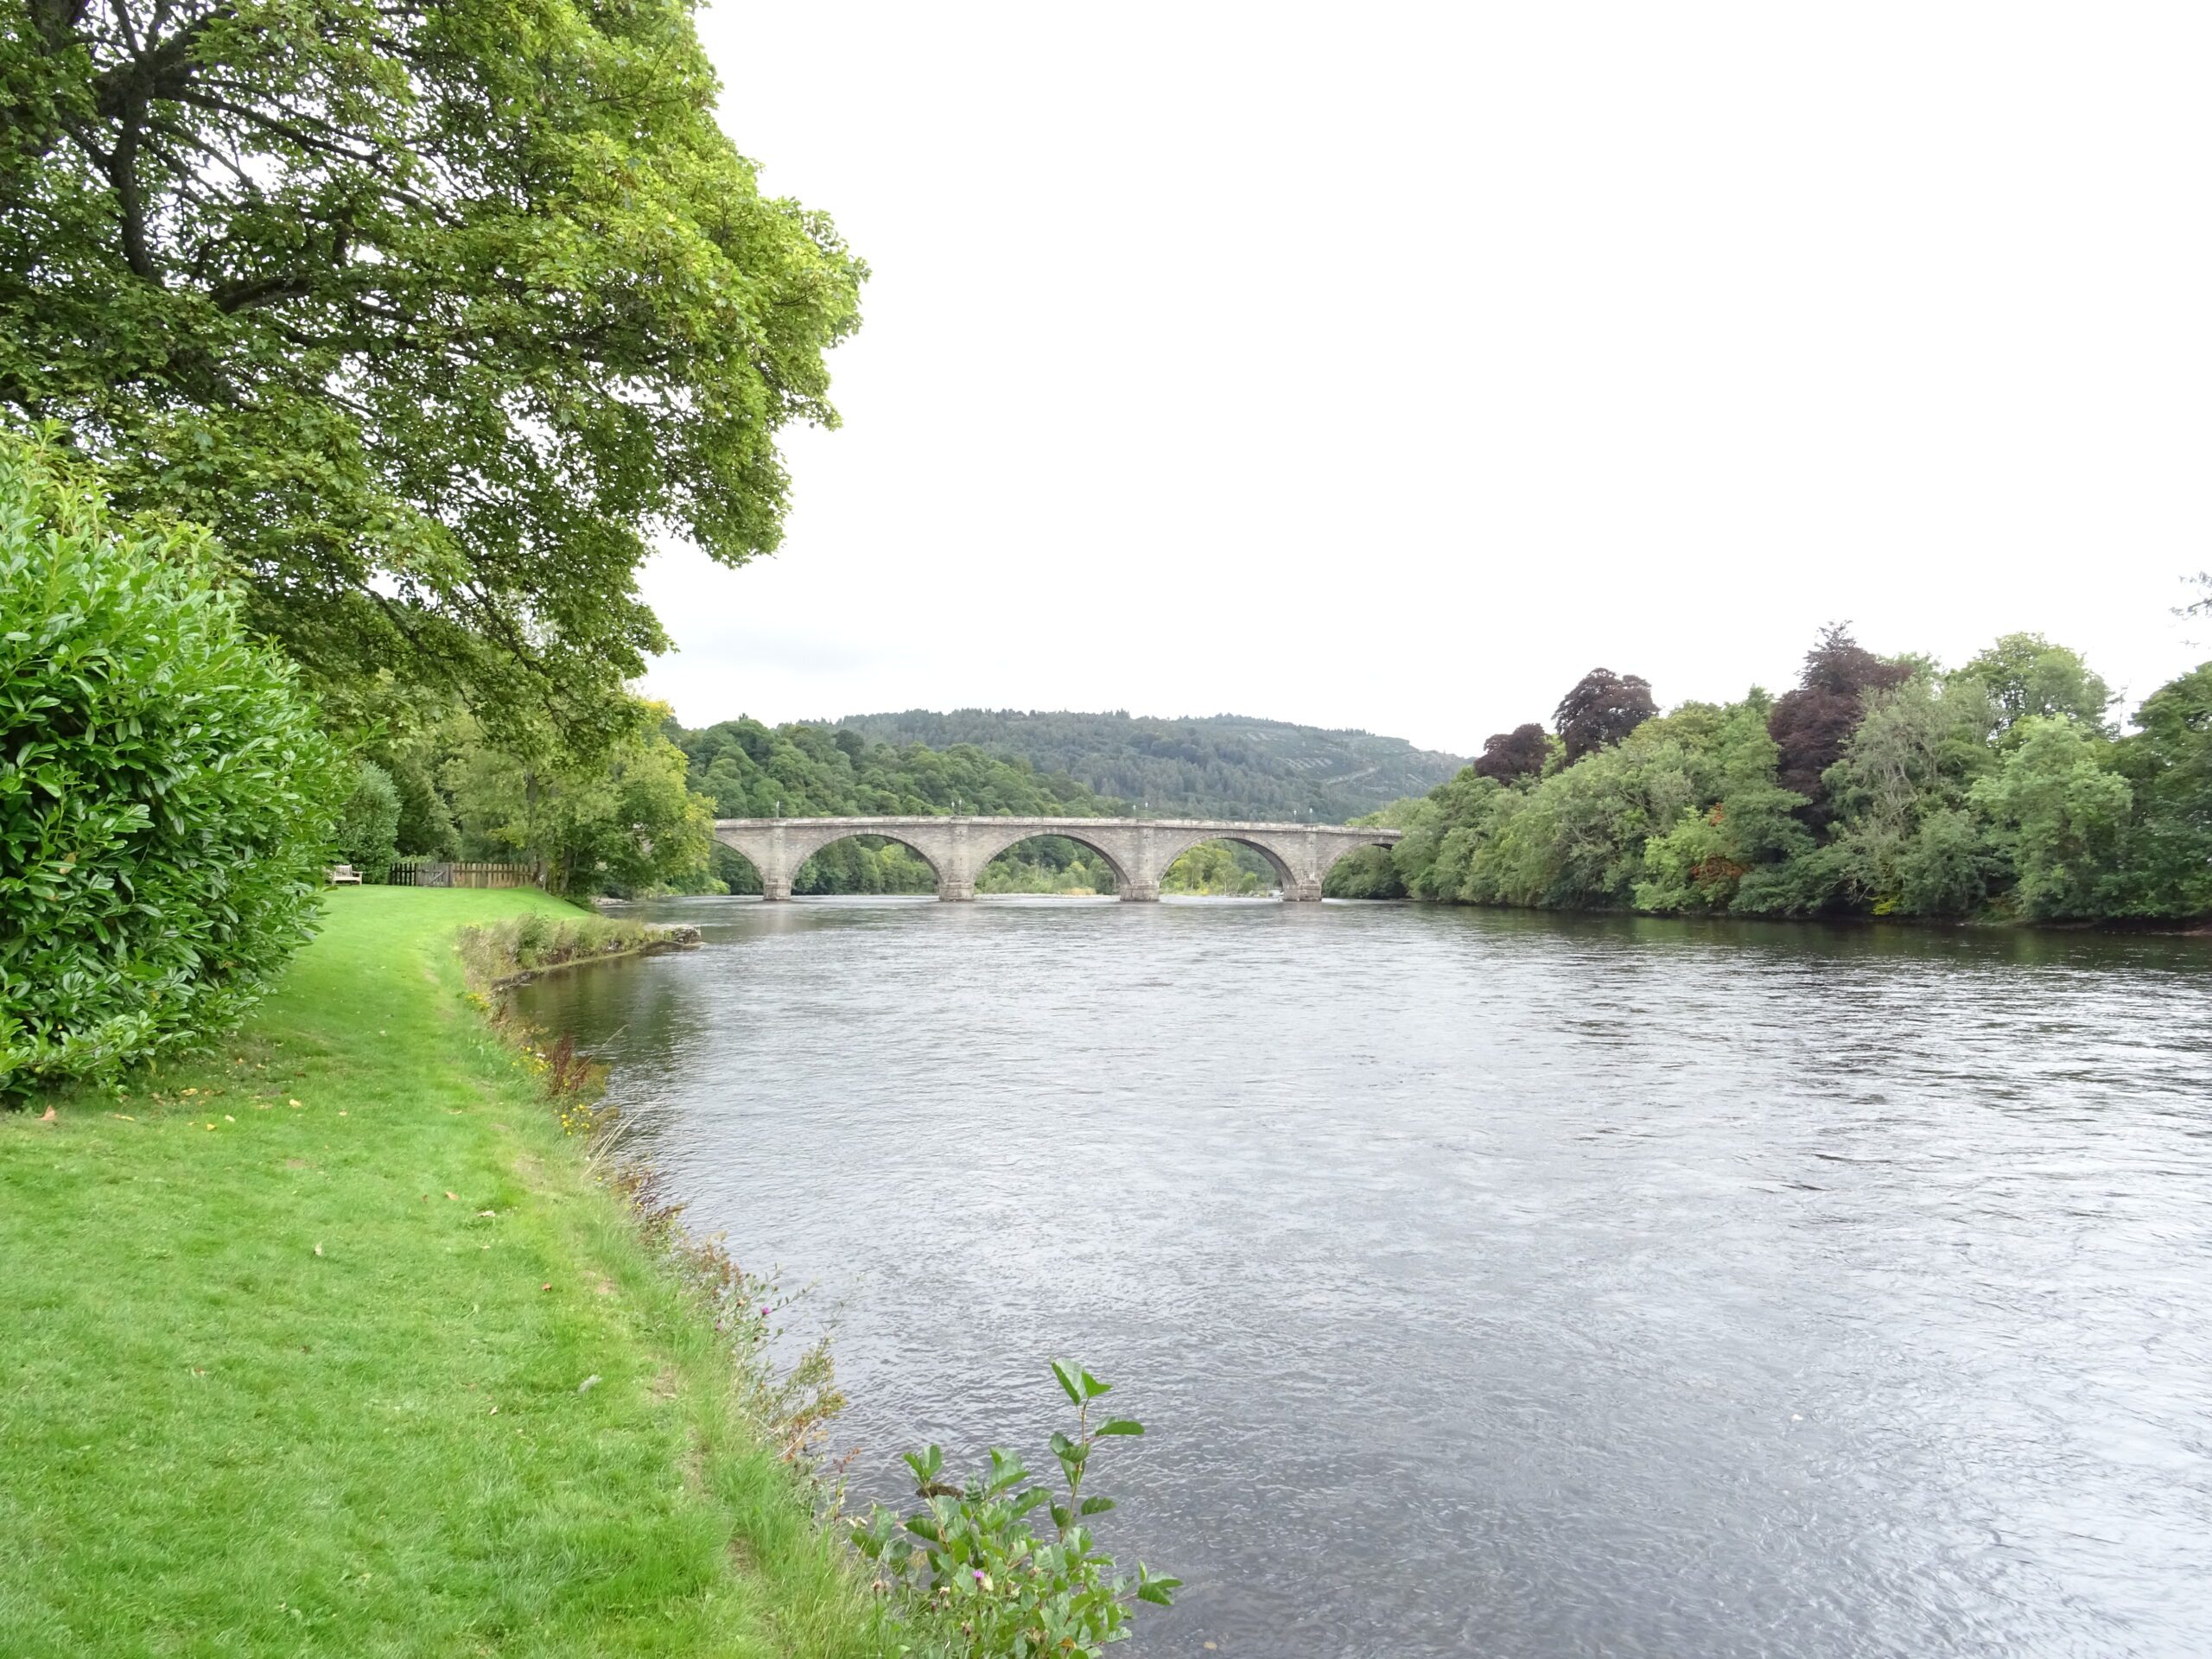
292	1357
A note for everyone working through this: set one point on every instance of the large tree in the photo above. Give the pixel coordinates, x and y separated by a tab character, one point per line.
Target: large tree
1813	721
1603	707
2026	676
436	310
1520	753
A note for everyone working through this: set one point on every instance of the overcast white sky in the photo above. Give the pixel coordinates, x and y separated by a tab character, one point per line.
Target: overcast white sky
1391	366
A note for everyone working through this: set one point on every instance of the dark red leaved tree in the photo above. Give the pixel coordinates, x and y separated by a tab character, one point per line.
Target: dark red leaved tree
1603	707
1812	723
1520	753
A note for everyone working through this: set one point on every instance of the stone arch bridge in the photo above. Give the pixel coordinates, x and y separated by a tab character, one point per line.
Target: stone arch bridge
1139	850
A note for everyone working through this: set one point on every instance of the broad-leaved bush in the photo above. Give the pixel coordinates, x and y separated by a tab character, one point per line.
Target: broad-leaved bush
972	1574
166	798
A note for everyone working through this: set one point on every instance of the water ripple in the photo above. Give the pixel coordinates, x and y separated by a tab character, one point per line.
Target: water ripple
1497	1284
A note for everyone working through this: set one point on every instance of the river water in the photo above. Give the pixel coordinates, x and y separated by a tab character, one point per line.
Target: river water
1493	1283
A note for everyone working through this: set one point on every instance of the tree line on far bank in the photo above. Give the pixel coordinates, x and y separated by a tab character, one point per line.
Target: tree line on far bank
2001	789
636	820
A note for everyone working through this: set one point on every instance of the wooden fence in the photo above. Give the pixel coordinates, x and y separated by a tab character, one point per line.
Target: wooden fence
438	873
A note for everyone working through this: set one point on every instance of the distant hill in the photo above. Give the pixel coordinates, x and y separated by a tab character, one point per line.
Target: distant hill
1222	766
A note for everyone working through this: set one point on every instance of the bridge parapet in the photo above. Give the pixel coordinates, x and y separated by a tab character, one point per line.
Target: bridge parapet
1139	850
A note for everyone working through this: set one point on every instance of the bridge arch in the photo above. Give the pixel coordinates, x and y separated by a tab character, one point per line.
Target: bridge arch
982	849
1285	879
888	838
780	850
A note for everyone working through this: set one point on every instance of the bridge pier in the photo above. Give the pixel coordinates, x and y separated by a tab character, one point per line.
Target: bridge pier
776	890
952	891
1140	893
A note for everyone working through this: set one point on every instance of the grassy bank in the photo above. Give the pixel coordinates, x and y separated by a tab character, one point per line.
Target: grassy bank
295	1357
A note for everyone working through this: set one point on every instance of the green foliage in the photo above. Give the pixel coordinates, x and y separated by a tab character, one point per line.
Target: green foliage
1701	863
1224	766
624	822
2060	814
426	827
749	770
1946	868
368	824
970	1576
435	312
1364	872
2026	677
2168	764
1220	867
165	798
1814	720
863	864
1905	847
1578	837
1047	864
1996	791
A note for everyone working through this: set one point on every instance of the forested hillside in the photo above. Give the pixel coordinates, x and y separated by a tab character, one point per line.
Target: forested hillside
751	770
1222	766
746	770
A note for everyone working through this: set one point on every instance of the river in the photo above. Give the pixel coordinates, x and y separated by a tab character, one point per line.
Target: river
1493	1283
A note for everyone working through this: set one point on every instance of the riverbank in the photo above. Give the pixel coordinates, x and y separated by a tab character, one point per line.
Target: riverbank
332	1346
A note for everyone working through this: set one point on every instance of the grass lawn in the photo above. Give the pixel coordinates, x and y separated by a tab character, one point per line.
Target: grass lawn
290	1364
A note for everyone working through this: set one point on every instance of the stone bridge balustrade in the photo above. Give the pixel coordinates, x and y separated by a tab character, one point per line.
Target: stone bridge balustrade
1139	850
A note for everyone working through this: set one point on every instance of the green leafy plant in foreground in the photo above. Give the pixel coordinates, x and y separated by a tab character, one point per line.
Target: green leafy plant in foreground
969	1574
166	797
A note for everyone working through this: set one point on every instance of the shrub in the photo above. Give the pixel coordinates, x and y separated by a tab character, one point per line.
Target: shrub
166	799
968	1575
368	825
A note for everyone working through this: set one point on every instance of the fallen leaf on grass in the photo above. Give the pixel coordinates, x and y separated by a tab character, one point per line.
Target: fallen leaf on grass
588	1384
49	1118
318	1249
452	1195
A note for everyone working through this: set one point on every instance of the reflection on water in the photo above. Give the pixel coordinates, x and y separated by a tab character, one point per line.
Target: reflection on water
1496	1283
